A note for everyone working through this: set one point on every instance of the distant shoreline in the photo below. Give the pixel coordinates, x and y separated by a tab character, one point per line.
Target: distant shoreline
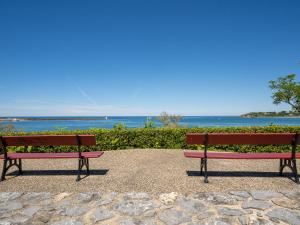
15	119
282	114
279	117
101	118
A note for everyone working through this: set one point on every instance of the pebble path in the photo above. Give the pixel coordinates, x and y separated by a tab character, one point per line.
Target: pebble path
139	208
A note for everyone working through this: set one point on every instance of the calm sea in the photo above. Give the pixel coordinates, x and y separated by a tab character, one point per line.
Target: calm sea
138	121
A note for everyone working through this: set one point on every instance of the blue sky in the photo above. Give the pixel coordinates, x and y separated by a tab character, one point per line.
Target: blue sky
145	57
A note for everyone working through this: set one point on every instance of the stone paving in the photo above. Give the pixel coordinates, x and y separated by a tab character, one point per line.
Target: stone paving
138	208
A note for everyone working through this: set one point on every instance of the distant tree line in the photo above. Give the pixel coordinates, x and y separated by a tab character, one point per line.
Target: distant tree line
271	114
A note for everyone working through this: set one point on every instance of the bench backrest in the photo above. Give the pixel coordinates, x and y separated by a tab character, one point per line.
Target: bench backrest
49	140
242	138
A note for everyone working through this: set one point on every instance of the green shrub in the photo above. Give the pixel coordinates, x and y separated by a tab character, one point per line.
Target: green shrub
119	126
149	124
161	138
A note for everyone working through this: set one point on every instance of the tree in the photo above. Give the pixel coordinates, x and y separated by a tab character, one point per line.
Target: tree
286	90
169	120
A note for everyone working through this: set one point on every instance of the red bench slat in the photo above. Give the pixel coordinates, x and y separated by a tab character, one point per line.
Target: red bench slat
63	155
195	139
49	140
229	155
241	138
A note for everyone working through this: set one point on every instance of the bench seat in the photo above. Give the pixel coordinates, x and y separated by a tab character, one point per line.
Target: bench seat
60	155
233	155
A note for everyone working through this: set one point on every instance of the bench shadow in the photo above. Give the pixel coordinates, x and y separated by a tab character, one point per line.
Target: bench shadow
195	173
100	172
237	174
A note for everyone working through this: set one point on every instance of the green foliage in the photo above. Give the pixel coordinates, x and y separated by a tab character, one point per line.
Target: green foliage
58	128
149	123
119	126
160	138
286	90
168	120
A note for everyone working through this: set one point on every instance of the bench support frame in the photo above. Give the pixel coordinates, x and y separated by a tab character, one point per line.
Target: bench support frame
291	163
204	162
8	163
82	162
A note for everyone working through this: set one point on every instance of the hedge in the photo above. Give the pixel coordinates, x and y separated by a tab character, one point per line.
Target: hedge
160	138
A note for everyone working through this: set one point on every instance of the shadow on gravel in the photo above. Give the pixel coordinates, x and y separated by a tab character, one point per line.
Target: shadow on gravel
238	174
57	172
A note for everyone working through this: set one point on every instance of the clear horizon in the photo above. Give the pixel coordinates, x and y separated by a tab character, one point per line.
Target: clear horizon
20	116
134	58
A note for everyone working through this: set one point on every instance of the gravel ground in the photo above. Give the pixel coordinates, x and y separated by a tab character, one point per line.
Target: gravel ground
152	171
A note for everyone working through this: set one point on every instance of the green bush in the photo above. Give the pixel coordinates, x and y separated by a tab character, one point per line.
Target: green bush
160	138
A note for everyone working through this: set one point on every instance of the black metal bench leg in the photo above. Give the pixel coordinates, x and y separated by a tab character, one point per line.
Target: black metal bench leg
80	164
87	164
281	166
291	163
4	170
20	167
294	169
205	171
201	166
9	163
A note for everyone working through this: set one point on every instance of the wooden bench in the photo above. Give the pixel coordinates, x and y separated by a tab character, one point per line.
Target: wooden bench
286	159
15	159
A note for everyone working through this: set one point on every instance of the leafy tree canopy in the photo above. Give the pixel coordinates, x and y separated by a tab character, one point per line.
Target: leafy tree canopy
169	120
286	90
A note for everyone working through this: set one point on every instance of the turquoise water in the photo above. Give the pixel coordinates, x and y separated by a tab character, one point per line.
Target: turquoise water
138	121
